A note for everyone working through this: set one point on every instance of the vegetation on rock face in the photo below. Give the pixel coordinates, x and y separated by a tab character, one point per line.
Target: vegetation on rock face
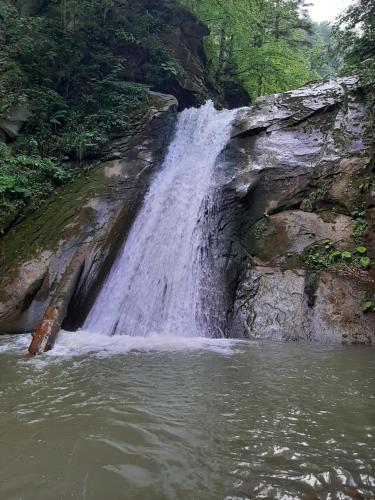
26	179
354	35
327	256
68	70
269	46
368	306
360	228
272	46
75	73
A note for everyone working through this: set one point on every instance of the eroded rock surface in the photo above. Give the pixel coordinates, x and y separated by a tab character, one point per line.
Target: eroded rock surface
298	179
300	186
86	223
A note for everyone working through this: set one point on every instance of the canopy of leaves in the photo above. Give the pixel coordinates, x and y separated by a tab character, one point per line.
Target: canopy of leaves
354	35
265	44
323	54
355	32
70	65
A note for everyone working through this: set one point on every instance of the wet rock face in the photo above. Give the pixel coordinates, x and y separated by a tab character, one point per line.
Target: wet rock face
184	36
82	228
298	169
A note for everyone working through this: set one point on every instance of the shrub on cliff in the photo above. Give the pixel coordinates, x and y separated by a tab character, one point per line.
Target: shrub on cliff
72	67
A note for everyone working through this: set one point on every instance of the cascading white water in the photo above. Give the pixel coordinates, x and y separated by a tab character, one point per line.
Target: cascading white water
154	285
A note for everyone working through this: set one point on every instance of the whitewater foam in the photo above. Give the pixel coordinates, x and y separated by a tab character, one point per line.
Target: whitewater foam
83	343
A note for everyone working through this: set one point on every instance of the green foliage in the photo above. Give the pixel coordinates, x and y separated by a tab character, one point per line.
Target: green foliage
361	250
264	44
74	68
360	228
368	306
334	256
354	35
26	179
328	244
326	256
347	256
322	55
320	258
72	80
365	262
355	32
357	214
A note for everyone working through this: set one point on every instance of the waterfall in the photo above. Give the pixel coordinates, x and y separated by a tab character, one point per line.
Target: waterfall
155	285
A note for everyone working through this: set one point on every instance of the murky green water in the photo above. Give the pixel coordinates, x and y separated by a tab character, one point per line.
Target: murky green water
201	421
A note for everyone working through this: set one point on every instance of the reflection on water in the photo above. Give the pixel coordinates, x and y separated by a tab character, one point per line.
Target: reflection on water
170	419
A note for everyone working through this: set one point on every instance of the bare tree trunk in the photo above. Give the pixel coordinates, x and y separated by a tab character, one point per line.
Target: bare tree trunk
46	333
261	83
221	61
63	12
277	20
108	4
277	26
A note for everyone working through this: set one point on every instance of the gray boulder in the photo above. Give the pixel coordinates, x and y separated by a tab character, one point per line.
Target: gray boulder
13	121
297	167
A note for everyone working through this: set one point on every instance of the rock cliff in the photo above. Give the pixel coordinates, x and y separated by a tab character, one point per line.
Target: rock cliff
291	236
298	202
184	36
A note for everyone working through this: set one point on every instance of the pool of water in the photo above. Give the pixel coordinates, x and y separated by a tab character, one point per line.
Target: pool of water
173	418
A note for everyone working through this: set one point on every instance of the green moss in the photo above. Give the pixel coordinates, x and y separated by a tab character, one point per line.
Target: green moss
43	227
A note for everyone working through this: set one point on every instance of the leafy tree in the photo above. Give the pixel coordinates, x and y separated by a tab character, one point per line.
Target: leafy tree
323	53
355	32
261	43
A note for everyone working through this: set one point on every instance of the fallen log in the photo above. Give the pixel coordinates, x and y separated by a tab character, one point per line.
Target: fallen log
45	335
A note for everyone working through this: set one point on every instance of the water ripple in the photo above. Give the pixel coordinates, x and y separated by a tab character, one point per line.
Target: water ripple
199	420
